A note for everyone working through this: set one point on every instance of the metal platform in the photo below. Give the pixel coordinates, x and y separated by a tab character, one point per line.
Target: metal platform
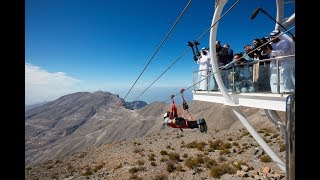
270	101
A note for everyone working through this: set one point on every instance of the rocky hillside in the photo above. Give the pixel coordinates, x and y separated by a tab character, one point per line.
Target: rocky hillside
74	122
135	105
131	144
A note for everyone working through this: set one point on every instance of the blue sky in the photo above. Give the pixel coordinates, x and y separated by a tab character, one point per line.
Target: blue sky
91	45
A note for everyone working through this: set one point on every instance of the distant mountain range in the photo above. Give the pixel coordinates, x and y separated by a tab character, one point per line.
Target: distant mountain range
28	107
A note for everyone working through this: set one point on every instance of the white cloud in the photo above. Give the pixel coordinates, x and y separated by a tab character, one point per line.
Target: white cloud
41	85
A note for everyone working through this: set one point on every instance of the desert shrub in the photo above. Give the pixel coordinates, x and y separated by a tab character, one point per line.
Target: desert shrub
192	144
137	150
152	155
238	165
97	167
170	166
179	168
208	162
261	131
269	130
218	171
58	161
224	151
229	139
222	159
163	152
151	158
226	145
194	162
153	163
70	168
199	155
163	159
275	135
200	146
240	151
282	147
216	145
135	169
265	158
140	162
174	156
82	155
185	155
87	172
136	143
235	144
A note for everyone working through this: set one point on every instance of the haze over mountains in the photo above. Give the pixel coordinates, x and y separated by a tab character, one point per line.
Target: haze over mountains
80	121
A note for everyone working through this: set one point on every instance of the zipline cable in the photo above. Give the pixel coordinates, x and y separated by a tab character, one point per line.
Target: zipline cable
182	54
156	51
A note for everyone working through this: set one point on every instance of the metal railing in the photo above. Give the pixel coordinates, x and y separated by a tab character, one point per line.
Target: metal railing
272	75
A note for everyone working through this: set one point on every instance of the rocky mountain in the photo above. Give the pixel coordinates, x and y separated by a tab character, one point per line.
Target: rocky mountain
94	135
73	122
135	105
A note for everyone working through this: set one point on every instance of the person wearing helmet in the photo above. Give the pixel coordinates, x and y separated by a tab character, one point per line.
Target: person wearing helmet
180	122
166	119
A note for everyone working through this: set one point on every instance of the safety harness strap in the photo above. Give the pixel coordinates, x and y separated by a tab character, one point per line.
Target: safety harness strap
173	110
185	106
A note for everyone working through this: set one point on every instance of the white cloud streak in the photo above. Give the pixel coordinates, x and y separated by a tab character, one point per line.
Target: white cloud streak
41	85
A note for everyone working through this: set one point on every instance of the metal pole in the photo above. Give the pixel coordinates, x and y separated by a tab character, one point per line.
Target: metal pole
278	76
213	54
290	137
259	139
233	81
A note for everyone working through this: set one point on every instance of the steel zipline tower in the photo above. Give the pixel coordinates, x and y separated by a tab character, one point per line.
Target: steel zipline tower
288	165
